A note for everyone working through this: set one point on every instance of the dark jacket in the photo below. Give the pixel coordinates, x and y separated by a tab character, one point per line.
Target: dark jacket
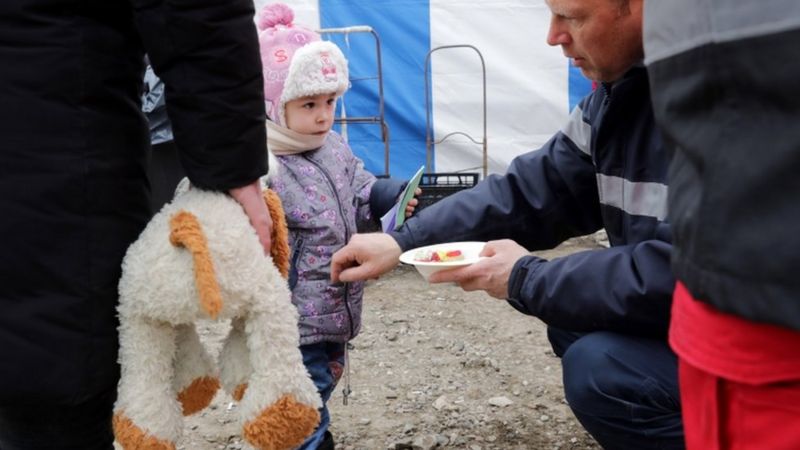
73	141
606	168
729	106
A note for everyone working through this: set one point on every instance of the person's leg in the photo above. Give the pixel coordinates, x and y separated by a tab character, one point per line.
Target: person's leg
322	361
623	389
81	427
721	414
560	339
701	407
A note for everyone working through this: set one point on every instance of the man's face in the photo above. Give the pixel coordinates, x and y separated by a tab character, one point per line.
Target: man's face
603	37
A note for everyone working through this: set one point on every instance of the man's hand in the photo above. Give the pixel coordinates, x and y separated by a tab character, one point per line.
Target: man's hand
365	256
250	198
489	274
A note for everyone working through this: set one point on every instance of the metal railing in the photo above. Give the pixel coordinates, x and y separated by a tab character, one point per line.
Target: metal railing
429	141
378	119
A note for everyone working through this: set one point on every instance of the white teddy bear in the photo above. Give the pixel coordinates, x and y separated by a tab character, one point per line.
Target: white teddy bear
200	258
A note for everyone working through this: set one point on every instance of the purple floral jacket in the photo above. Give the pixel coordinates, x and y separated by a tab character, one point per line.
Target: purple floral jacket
327	196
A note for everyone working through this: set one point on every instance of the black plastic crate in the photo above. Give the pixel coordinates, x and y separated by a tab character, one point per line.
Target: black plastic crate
436	186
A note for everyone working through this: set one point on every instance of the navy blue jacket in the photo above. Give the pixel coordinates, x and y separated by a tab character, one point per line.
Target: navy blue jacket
606	168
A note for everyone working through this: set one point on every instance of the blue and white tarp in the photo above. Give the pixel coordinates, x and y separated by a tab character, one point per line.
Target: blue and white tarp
530	86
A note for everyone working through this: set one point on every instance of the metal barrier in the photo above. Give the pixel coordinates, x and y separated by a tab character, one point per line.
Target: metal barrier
379	118
429	142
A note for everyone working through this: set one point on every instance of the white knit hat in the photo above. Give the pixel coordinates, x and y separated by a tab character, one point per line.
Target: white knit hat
316	68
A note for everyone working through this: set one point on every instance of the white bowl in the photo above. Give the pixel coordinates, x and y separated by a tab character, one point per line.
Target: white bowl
470	250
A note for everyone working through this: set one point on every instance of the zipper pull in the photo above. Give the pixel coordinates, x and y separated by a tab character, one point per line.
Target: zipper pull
345	394
346	391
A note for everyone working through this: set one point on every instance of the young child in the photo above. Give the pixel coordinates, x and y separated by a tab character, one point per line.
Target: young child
326	193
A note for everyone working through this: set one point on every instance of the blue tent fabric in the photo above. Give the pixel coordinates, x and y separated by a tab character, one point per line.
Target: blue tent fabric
407	26
579	86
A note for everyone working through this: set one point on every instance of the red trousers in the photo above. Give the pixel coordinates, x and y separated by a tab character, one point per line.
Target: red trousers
720	414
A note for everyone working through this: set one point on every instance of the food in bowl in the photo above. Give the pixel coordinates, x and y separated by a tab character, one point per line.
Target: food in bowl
428	255
434	258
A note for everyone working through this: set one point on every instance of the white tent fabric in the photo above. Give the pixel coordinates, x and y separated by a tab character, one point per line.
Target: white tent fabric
526	79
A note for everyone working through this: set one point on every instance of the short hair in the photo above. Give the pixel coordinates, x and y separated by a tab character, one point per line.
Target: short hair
624	6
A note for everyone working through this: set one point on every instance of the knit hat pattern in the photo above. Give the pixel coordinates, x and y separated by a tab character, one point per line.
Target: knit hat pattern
296	62
318	68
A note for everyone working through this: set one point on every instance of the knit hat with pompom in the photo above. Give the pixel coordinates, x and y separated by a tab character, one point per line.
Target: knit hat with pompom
296	63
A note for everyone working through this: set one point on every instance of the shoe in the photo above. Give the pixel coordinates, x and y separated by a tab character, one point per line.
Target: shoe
327	442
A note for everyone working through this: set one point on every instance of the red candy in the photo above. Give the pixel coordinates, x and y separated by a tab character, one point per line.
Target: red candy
438	256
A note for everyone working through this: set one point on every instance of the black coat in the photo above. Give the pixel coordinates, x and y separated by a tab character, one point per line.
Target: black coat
729	111
73	149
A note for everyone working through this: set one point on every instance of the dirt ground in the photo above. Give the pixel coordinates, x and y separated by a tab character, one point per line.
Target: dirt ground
434	367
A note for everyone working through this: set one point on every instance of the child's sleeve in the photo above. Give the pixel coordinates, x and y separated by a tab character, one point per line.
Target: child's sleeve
384	194
374	197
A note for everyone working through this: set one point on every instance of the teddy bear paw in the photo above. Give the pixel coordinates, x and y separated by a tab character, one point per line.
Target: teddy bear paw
198	394
131	437
238	393
283	425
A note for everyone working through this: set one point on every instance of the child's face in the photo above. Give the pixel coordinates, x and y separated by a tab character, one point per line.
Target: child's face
311	115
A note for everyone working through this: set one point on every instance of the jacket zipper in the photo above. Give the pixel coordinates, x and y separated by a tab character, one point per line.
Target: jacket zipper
607	91
346	238
298	248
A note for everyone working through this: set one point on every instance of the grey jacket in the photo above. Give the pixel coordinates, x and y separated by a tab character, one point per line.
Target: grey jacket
327	196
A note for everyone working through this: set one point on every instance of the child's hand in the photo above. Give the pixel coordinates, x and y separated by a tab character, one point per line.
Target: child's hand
412	204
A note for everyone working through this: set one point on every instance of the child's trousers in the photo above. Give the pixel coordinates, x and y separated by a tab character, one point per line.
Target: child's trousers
325	363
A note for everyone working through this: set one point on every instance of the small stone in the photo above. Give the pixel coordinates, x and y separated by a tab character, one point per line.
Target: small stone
426	442
500	401
440	403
